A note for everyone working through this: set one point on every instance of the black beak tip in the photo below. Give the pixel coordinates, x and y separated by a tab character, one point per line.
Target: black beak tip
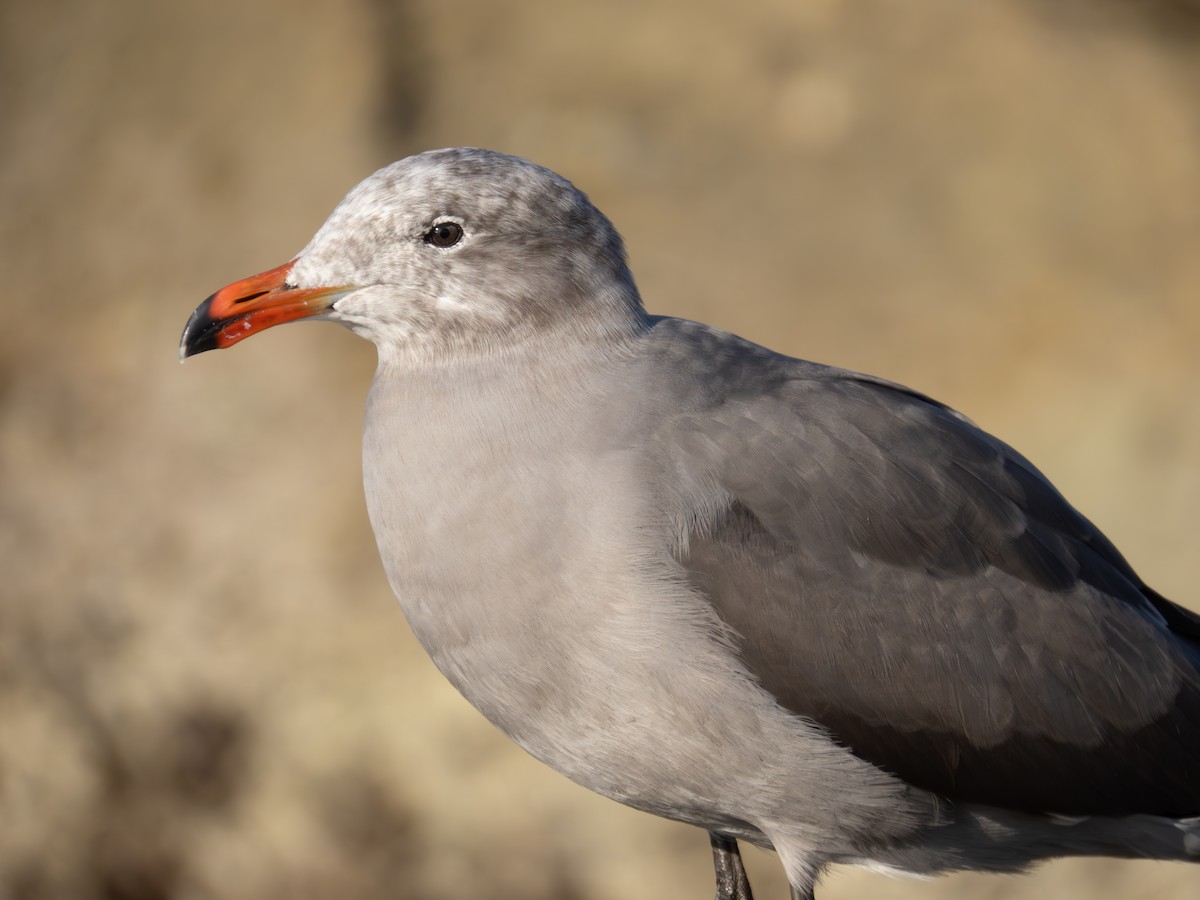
200	333
200	343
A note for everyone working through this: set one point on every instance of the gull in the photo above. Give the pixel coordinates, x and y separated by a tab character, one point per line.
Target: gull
789	604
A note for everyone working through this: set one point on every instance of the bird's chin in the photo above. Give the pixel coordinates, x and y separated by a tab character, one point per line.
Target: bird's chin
251	305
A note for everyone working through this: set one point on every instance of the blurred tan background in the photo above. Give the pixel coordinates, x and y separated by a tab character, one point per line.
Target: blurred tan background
206	689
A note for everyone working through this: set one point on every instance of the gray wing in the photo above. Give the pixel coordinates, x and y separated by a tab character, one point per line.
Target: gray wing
920	590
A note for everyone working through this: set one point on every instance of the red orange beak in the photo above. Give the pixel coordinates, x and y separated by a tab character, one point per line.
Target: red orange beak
252	305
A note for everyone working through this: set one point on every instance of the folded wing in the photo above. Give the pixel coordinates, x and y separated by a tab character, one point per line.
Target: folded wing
921	591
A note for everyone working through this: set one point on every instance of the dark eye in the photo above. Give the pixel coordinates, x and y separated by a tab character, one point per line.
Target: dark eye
444	234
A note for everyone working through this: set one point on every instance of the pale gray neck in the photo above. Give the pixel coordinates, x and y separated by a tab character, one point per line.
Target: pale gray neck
491	485
482	480
482	338
524	398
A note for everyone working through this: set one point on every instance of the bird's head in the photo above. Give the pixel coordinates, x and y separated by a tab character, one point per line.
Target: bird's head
443	250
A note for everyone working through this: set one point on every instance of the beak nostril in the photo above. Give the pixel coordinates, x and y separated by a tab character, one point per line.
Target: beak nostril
248	298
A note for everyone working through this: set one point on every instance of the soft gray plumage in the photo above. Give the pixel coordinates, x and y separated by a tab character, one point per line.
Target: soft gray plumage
783	602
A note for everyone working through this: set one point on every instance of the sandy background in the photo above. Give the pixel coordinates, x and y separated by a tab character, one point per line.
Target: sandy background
206	690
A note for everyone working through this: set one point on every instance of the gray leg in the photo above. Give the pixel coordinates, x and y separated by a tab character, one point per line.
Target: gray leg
732	883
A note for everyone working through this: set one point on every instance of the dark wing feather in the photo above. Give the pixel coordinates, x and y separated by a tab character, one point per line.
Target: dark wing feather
920	590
